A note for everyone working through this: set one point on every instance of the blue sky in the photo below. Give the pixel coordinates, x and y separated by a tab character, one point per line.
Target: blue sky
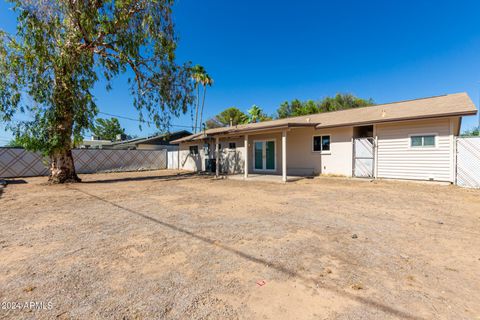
266	52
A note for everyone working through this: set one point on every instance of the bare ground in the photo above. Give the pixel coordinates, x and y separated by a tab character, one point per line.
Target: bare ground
155	245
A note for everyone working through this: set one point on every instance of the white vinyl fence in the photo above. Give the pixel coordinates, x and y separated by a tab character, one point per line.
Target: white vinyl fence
363	154
468	162
173	160
15	162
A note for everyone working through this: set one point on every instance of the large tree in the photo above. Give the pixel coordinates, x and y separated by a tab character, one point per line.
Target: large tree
231	115
107	129
62	48
202	80
206	81
343	102
339	102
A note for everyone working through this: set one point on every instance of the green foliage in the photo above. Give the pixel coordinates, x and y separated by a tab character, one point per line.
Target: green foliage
472	132
60	50
339	102
256	114
201	80
107	129
223	118
16	142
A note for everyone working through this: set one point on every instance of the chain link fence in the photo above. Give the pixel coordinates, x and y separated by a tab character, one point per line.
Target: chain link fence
16	162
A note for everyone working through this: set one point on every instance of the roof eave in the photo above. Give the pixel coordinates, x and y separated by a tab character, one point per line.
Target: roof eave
454	114
264	128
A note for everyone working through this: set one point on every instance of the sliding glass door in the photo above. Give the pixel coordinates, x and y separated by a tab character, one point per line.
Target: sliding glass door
264	155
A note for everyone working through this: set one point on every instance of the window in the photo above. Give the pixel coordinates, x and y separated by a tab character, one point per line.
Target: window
427	141
193	150
232	145
321	143
325	143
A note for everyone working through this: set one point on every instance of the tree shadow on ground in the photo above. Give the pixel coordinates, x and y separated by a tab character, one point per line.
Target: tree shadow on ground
289	272
177	176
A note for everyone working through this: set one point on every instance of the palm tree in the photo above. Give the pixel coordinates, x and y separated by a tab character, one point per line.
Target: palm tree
255	113
205	81
197	74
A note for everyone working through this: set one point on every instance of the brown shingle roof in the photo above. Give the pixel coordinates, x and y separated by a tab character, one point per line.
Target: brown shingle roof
458	104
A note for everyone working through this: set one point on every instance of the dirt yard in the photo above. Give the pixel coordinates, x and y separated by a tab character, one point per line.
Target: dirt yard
154	245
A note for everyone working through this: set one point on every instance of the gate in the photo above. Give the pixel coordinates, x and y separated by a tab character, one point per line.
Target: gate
172	162
363	157
468	162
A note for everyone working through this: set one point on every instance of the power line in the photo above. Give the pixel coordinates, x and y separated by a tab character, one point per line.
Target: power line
141	121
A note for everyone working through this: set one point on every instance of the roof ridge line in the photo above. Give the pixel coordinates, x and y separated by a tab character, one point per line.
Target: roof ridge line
375	105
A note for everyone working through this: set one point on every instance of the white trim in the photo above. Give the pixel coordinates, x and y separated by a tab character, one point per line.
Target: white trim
245	165
375	153
264	159
327	152
284	155
217	157
435	134
453	152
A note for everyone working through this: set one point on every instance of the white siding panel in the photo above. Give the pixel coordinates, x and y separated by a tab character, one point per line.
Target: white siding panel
397	160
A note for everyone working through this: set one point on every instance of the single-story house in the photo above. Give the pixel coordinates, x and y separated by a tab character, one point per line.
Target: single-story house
156	142
412	139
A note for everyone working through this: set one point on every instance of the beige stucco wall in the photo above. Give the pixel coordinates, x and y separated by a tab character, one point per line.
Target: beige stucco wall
232	160
301	159
189	162
396	159
275	136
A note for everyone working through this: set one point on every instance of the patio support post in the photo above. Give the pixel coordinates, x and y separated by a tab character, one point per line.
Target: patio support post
245	169
284	155
217	157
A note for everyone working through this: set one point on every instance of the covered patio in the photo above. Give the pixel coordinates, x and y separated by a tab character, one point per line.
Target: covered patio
254	177
264	152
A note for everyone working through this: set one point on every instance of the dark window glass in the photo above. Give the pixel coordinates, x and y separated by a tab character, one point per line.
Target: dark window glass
270	154
416	141
422	141
232	145
429	141
193	150
325	143
317	145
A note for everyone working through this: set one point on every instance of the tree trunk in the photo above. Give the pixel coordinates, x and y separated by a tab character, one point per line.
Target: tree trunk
196	109
62	168
203	103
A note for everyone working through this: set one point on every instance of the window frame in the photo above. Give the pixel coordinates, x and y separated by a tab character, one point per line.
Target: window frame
190	150
423	146
321	151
